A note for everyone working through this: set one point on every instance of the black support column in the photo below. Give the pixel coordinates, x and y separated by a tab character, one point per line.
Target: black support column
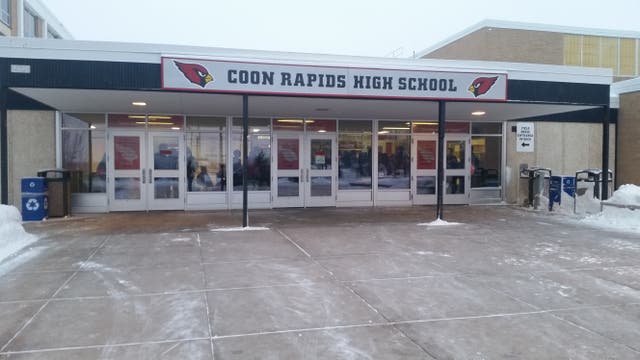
442	112
604	195
4	155
245	160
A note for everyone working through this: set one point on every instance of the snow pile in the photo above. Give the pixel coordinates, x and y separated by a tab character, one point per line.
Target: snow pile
12	234
248	228
619	218
438	222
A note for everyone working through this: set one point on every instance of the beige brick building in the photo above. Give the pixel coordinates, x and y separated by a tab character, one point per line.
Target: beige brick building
492	40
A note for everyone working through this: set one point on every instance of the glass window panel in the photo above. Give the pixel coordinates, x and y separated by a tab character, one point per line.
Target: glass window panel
591	51
426	185
355	126
486	128
288	186
572	48
609	54
256	125
289	124
320	154
126	120
455	185
628	57
321	186
486	161
127	188
394	127
126	152
173	122
206	156
83	154
455	154
83	121
201	123
166	188
425	127
394	162
426	153
431	127
288	154
354	168
166	152
30	24
259	167
5	12
321	125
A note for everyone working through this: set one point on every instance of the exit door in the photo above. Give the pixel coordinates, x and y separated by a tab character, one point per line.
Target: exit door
146	170
305	170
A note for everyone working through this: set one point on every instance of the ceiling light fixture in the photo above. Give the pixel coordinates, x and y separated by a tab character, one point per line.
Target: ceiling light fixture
139	103
478	113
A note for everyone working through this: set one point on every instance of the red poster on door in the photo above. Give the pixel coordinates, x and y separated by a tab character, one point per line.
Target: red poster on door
426	155
127	152
288	150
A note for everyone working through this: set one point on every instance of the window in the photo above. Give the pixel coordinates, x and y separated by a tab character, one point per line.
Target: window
52	34
259	166
5	12
30	24
394	161
486	155
206	154
609	54
83	151
354	152
572	50
628	57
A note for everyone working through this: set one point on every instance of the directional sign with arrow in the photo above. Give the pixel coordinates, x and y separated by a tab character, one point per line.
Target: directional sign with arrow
525	134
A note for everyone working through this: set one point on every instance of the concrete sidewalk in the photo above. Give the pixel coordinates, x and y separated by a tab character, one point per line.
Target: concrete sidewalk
353	283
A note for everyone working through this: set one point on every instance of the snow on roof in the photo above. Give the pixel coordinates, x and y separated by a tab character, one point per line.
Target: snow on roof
502	24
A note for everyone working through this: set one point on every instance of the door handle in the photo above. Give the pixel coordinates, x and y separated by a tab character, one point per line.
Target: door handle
150	176
307	175
144	180
301	175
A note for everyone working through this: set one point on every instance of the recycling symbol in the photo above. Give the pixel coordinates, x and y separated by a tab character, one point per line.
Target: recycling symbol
32	204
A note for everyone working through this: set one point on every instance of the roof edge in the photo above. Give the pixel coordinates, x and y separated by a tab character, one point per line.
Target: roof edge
504	24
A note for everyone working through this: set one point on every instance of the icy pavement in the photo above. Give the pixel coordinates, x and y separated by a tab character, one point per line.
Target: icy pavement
323	284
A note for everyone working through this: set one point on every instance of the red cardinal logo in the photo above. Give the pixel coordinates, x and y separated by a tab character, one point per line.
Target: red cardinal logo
195	73
481	85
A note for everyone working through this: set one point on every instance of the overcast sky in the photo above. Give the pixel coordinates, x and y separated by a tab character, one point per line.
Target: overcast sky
350	27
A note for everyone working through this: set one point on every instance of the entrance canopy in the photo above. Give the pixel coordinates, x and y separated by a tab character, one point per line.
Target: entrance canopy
117	101
93	77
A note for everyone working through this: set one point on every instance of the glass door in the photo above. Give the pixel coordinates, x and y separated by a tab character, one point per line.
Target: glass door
127	171
425	169
288	171
166	171
320	174
457	169
146	171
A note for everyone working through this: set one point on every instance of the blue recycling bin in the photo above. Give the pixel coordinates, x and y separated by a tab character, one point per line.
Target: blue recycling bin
35	201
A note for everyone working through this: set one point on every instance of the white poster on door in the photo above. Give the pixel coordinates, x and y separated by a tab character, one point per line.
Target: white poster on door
525	136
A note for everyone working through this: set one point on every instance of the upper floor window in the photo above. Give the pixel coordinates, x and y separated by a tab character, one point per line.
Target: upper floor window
52	35
5	12
30	24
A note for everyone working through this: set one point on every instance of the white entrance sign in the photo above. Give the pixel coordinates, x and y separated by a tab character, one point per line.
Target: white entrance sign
290	79
525	136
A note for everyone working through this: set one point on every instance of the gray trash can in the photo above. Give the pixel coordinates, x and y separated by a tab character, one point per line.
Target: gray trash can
59	184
